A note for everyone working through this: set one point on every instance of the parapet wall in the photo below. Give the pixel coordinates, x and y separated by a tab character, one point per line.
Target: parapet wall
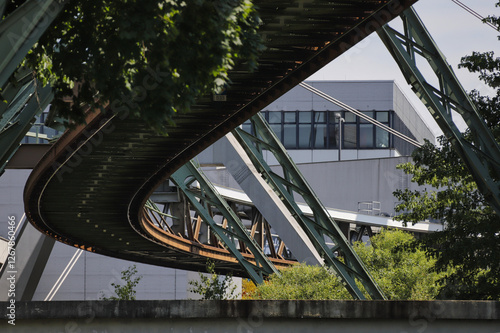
252	316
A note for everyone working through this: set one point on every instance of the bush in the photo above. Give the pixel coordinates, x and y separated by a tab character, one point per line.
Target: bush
402	271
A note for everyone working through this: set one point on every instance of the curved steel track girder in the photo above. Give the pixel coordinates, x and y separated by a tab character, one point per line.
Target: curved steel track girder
90	189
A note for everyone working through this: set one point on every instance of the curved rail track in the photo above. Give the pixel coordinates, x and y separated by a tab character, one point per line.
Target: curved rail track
90	189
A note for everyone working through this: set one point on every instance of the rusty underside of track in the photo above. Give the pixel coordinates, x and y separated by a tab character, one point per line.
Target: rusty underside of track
90	189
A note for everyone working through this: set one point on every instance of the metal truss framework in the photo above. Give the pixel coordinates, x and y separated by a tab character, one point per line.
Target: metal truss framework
232	233
481	154
322	230
24	98
24	101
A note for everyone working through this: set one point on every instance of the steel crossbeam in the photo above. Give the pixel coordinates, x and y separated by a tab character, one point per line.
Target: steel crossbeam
232	233
18	32
322	230
21	29
18	115
481	153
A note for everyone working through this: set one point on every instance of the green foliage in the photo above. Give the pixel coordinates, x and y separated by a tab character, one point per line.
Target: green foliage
471	240
213	286
401	271
125	290
302	282
150	58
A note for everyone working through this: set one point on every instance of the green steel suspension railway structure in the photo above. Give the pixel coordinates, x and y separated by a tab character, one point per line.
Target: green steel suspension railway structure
92	189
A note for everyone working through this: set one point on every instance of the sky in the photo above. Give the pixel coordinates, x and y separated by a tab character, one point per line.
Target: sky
456	32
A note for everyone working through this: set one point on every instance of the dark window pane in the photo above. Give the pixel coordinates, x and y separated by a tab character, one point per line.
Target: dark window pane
321	136
305	138
382	138
290	117
366	136
332	119
369	114
247	128
289	136
350	136
275	117
383	116
305	117
277	130
320	117
333	135
350	117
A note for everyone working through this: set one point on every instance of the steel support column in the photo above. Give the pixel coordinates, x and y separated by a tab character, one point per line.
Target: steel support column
21	29
17	117
200	198
322	230
481	154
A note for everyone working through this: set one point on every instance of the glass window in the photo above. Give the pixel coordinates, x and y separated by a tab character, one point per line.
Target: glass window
369	114
382	138
350	136
289	136
320	136
383	116
247	127
331	116
366	136
275	117
305	117
333	135
350	117
305	137
290	117
320	117
277	130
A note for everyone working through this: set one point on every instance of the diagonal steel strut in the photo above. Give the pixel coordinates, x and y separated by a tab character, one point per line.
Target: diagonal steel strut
322	230
235	231
481	153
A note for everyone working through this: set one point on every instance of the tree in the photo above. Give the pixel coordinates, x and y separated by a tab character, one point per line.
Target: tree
471	240
214	286
125	291
401	271
150	58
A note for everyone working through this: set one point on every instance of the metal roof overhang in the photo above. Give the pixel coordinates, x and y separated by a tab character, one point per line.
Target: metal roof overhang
89	189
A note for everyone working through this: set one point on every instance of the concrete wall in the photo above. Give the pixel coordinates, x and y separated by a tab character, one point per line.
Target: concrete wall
343	184
361	95
253	316
11	197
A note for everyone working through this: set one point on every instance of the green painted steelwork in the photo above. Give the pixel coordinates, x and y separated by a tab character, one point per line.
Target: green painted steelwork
18	116
206	195
322	230
24	99
21	29
482	153
151	205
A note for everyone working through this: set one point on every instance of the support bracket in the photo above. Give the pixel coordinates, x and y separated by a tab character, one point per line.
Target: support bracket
480	152
322	230
206	195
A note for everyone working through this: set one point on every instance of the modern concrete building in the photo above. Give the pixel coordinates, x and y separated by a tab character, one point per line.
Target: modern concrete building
310	128
360	185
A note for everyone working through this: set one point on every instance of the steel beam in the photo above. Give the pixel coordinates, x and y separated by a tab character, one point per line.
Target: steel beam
32	252
267	202
19	117
481	154
21	29
206	195
322	230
